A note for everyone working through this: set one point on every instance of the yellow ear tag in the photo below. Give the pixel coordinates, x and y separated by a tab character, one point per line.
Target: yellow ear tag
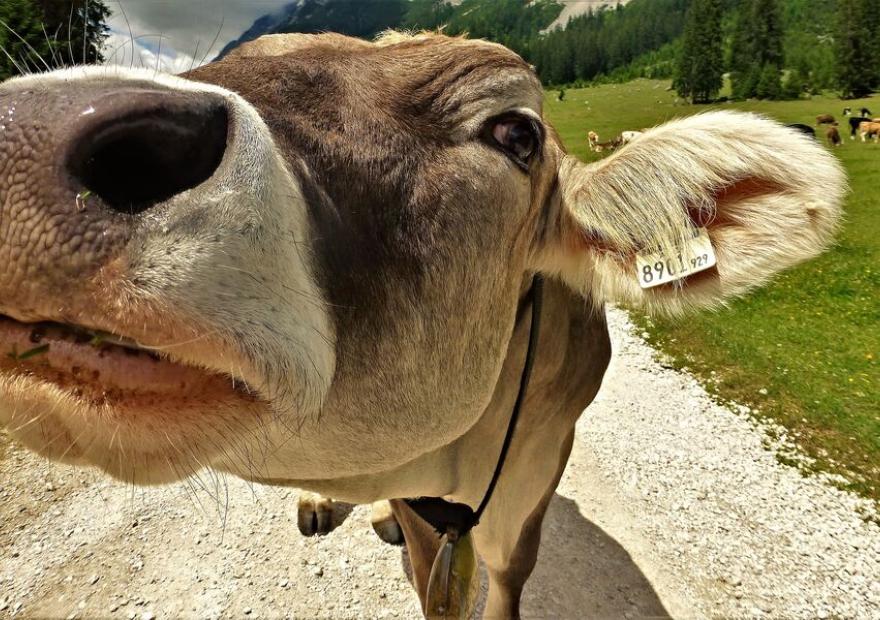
454	585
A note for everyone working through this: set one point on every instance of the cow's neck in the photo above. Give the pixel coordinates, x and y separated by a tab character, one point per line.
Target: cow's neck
461	470
445	515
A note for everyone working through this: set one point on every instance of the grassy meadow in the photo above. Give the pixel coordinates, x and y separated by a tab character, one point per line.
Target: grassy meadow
802	351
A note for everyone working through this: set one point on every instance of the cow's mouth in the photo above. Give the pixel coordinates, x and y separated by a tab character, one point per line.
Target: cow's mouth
82	396
104	368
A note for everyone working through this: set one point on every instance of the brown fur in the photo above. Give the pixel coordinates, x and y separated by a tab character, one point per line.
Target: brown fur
833	135
356	269
869	130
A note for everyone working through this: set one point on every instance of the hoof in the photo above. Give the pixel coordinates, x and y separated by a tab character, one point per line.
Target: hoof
385	525
314	514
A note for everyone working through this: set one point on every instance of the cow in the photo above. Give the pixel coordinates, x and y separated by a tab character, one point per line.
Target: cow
833	136
854	122
266	266
598	147
805	129
824	119
863	111
868	129
628	136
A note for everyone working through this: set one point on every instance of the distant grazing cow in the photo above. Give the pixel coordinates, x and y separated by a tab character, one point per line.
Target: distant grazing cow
803	129
865	112
854	122
847	111
824	119
598	147
628	136
869	129
833	135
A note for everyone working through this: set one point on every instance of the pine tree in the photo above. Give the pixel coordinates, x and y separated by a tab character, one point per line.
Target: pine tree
796	82
767	36
853	49
91	31
769	86
43	34
700	63
757	43
24	47
741	42
871	8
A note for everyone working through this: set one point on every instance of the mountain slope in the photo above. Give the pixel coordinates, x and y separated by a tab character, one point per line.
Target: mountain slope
352	17
567	40
507	21
576	8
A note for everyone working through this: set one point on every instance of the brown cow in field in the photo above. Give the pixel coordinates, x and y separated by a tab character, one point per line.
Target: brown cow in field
599	147
833	135
313	263
824	119
869	129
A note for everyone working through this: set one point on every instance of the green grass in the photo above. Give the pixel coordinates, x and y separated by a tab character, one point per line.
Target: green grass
811	339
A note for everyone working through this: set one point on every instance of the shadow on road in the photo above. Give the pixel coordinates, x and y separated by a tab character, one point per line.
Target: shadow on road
584	573
581	573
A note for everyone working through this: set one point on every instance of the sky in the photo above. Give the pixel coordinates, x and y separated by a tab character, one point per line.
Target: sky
174	35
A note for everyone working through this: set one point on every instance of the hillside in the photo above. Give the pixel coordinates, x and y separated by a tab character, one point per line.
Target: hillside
576	8
353	17
511	22
568	41
592	38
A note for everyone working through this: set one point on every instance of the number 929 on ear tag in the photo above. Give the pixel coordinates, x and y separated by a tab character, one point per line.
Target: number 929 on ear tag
656	268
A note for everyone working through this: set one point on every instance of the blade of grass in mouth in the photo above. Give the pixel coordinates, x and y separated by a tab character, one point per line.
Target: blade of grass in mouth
42	349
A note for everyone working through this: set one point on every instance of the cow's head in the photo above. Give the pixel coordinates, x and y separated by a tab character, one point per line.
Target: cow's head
305	260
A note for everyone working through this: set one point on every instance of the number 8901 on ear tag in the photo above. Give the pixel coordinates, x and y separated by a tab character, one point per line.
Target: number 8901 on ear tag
655	269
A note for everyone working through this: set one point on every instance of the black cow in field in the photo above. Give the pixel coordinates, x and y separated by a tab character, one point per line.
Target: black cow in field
803	128
855	121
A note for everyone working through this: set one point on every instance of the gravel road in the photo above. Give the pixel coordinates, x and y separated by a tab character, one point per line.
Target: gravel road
671	504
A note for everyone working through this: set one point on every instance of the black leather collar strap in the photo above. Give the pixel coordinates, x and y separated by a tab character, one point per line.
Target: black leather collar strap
443	515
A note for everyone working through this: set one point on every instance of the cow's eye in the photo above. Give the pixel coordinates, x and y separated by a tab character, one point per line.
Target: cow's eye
518	137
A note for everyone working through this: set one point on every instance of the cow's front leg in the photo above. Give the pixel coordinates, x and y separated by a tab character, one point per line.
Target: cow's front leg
315	514
319	515
510	531
422	544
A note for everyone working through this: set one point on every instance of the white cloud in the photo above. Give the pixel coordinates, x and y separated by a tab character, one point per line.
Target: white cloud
157	54
177	34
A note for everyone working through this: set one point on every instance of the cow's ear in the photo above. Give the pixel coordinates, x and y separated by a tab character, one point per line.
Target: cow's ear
729	198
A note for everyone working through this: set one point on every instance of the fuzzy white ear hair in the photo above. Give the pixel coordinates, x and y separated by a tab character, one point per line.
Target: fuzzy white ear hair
769	197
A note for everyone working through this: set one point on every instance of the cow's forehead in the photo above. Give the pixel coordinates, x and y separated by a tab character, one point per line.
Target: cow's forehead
457	77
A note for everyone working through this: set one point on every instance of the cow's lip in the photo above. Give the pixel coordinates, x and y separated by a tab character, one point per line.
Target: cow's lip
103	367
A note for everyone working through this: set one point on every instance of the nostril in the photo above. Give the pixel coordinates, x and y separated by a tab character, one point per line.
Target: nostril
141	157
